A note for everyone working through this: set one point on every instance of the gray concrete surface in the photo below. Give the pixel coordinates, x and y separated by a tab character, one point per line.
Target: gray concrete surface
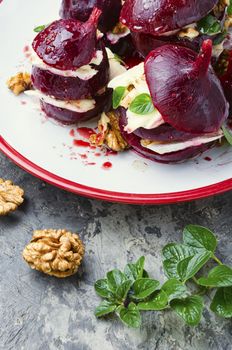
43	313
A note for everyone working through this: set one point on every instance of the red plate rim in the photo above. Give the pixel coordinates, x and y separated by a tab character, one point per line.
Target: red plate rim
119	197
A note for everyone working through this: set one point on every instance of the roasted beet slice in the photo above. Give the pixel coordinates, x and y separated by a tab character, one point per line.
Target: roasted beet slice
65	116
160	16
81	10
145	43
71	88
68	44
185	89
226	79
174	157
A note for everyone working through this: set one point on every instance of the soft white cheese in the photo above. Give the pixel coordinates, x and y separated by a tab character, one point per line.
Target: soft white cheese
80	106
170	147
136	77
114	38
84	73
116	68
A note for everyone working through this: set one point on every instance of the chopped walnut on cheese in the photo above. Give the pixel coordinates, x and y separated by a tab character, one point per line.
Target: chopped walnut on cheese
19	83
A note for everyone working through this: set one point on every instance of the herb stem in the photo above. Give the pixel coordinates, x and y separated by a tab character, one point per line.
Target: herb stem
217	260
194	279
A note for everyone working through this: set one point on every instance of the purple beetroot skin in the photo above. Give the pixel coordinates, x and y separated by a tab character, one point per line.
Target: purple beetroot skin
65	116
71	88
160	16
68	44
185	89
174	157
81	10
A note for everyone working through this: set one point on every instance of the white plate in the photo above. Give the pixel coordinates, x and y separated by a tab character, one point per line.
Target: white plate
46	149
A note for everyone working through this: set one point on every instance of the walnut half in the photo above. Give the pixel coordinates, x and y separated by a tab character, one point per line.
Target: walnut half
11	196
110	134
55	252
19	83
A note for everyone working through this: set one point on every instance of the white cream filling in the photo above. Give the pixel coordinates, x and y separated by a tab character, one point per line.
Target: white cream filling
85	72
163	148
80	106
114	38
136	77
116	68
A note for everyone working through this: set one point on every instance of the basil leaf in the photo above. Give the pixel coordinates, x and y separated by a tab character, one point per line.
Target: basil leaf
130	316
229	9
173	254
158	301
222	302
105	308
188	267
136	270
39	28
122	290
227	133
142	104
102	289
114	279
199	237
219	276
174	289
143	287
118	94
189	309
209	25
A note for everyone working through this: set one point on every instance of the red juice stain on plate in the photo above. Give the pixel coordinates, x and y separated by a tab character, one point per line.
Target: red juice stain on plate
90	163
97	154
72	132
26	48
109	152
23	103
85	132
208	159
107	165
81	143
83	156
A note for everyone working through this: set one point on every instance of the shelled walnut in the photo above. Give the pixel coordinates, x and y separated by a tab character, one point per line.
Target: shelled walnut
109	134
11	196
55	252
19	83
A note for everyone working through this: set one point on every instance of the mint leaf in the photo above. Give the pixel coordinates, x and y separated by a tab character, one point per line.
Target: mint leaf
122	290
143	287
39	28
209	25
102	289
219	276
189	309
130	316
173	254
142	104
114	279
222	302
118	94
188	267
158	301
105	308
174	289
199	237
227	133
136	270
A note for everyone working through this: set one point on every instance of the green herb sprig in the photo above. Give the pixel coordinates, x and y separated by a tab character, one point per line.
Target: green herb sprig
129	292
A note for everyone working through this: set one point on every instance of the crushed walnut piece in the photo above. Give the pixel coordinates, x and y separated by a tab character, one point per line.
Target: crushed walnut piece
19	83
110	134
119	28
11	196
220	7
55	252
189	32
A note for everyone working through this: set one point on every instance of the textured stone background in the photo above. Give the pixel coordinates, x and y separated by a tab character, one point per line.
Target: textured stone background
40	312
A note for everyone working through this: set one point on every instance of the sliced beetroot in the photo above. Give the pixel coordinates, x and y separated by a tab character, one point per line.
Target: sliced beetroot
65	116
160	16
145	43
81	10
68	44
226	81
71	88
174	157
185	89
124	47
